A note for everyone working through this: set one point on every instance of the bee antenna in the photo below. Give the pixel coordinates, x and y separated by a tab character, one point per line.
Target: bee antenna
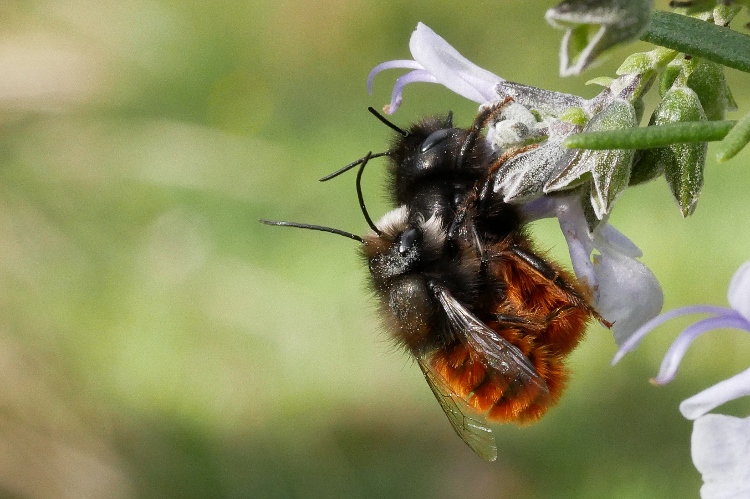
387	122
355	163
313	227
361	197
449	120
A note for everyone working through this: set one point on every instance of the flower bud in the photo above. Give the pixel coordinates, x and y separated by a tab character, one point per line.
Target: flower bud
645	168
682	164
708	81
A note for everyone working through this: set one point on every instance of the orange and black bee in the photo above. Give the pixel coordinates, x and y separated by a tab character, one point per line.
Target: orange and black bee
461	288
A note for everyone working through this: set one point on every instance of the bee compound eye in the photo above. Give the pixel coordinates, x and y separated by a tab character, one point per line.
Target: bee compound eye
435	138
409	239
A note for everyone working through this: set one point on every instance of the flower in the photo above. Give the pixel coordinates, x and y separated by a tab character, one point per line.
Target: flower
624	291
436	61
720	444
593	27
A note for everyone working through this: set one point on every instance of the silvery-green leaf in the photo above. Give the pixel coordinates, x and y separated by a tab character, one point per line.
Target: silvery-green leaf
611	173
545	101
609	170
523	176
572	170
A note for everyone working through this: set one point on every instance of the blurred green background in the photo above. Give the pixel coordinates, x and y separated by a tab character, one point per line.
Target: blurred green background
157	342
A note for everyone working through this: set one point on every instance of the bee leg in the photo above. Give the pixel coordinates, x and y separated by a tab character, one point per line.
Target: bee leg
489	113
461	213
527	323
540	266
543	268
511	318
481	121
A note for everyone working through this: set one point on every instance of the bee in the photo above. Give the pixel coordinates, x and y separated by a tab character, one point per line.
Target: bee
460	286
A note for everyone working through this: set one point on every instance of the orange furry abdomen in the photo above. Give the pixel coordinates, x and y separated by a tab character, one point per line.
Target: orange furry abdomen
544	321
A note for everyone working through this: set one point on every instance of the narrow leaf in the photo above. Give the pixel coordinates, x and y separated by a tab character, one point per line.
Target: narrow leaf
651	136
735	140
699	38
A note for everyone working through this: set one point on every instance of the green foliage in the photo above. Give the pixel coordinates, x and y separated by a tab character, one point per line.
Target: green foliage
694	99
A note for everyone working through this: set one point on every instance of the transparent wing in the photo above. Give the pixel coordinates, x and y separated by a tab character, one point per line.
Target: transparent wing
498	353
472	429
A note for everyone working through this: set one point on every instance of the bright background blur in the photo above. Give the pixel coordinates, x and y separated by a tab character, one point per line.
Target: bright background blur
157	342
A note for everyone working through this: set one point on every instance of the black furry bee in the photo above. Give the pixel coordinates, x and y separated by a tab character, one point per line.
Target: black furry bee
460	285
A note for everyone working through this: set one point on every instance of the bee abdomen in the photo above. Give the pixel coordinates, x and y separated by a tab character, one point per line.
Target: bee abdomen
499	396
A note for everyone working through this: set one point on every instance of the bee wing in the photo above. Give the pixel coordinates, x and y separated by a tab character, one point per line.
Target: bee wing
498	352
472	430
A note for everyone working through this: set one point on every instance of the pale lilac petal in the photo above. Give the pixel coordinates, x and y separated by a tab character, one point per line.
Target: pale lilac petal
625	292
629	293
677	350
397	64
580	245
720	447
635	339
739	291
450	68
619	241
418	75
539	208
580	259
722	392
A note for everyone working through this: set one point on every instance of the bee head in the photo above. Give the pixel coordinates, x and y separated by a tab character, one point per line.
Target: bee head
403	245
